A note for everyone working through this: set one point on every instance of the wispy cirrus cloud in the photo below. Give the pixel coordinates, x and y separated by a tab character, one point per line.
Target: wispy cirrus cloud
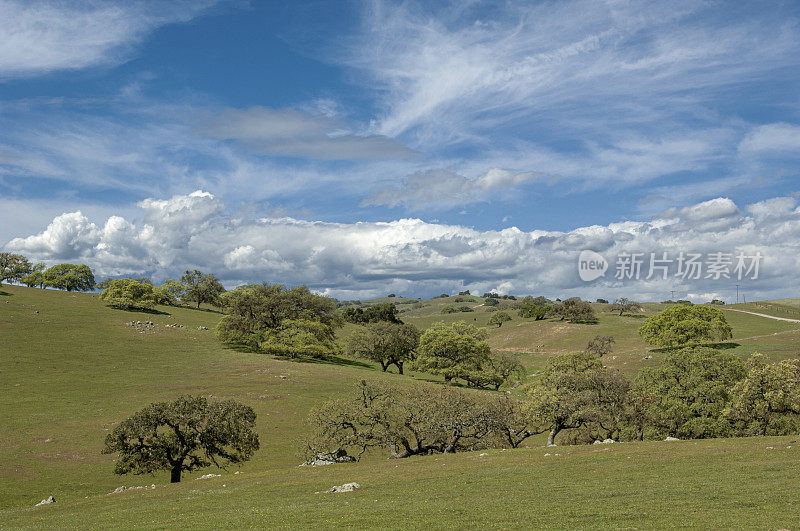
41	36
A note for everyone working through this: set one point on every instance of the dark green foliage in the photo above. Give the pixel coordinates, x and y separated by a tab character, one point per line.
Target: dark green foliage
69	277
767	400
452	350
13	267
201	287
184	435
491	302
274	319
35	278
690	391
682	324
574	310
575	391
413	419
494	371
499	318
386	343
602	301
372	314
600	345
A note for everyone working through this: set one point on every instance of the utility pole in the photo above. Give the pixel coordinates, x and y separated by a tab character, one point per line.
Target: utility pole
737	293
672	292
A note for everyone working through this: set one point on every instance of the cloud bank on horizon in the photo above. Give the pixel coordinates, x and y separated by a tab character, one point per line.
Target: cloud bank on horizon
413	147
415	258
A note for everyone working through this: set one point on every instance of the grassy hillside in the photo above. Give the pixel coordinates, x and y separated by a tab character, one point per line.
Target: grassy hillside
72	368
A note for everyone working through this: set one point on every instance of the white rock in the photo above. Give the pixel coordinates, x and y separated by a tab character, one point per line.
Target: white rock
46	501
672	439
347	487
208	476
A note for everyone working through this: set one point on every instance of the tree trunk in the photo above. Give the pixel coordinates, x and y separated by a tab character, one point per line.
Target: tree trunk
399	366
551	437
198	305
384	366
639	433
176	474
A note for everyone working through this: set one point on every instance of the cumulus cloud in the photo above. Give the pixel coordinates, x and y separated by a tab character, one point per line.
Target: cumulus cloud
439	187
289	132
419	258
40	36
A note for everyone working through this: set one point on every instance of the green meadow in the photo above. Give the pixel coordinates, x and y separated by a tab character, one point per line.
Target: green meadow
71	368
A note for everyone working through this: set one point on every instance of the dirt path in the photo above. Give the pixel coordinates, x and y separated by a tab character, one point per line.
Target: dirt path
765	315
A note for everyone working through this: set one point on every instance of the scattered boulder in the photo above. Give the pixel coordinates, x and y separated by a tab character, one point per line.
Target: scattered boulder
124	488
347	487
605	441
340	456
202	328
209	476
672	439
46	501
648	357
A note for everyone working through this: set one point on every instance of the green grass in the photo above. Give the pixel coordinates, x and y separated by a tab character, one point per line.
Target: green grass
73	370
707	484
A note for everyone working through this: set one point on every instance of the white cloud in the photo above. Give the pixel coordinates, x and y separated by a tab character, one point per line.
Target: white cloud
444	188
289	132
40	36
774	138
418	258
448	75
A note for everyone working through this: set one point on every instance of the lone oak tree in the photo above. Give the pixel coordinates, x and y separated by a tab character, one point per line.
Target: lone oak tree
682	324
499	318
186	434
384	342
625	305
70	277
452	350
201	287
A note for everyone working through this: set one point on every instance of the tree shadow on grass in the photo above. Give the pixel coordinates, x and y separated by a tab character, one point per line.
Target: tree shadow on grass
726	345
331	360
5	294
328	360
151	311
207	310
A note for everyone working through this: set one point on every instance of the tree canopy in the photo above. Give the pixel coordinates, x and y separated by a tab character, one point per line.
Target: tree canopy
372	314
452	350
574	310
201	287
499	318
184	435
623	305
277	320
129	293
576	391
682	324
691	390
70	277
767	400
13	267
384	342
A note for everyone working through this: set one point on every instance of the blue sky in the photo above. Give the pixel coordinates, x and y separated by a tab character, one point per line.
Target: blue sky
473	118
